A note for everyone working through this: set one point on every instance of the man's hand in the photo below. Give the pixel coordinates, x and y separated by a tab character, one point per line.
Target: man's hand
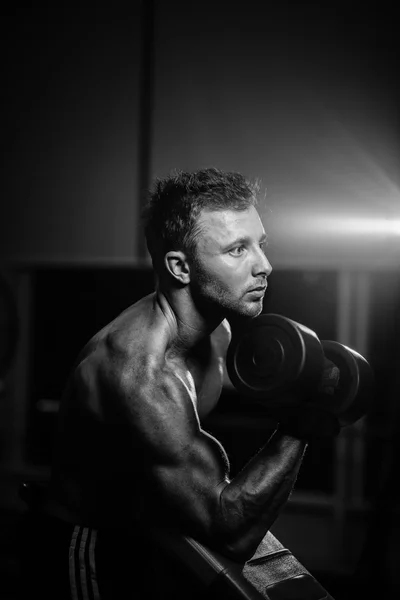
315	417
330	378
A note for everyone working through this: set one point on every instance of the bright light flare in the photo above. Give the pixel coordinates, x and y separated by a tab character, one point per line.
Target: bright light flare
355	226
337	226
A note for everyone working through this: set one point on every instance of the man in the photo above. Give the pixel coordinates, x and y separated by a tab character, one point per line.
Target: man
131	451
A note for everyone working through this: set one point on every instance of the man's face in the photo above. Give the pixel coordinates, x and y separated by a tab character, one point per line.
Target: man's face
230	270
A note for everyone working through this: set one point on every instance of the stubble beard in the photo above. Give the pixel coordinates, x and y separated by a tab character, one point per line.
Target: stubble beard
215	301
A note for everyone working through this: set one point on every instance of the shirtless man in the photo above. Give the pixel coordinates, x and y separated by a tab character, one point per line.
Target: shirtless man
131	449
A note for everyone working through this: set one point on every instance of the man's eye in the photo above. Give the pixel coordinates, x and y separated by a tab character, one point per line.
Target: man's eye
237	251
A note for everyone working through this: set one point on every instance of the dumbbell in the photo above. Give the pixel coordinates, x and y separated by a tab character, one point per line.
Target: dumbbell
280	363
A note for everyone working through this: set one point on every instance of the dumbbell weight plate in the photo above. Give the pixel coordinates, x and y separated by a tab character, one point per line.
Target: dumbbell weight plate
273	356
354	394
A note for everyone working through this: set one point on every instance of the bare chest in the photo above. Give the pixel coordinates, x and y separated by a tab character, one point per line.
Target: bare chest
207	382
203	382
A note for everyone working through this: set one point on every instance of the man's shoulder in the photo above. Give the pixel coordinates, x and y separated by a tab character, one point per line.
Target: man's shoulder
133	342
136	348
118	372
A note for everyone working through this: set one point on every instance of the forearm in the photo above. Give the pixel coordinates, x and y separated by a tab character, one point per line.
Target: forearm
251	502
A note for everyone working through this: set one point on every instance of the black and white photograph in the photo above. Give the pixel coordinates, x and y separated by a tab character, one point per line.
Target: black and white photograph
200	300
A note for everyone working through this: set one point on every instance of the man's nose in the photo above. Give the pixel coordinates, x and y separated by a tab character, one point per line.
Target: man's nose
269	267
262	266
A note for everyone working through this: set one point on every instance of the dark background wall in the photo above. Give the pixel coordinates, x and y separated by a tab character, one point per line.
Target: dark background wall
70	135
302	95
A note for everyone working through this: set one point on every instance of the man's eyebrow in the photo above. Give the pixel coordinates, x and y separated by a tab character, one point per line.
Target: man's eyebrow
237	242
244	240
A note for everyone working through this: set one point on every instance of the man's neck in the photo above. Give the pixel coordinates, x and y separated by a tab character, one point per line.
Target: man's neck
189	327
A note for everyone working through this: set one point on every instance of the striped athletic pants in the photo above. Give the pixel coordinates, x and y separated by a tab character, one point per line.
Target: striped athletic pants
82	564
74	562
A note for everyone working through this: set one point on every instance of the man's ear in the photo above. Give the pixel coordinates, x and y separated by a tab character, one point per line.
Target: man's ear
177	265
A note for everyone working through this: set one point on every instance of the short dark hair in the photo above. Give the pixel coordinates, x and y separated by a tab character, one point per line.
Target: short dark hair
174	204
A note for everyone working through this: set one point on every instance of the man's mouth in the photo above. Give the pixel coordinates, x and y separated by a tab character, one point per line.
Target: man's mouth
260	288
